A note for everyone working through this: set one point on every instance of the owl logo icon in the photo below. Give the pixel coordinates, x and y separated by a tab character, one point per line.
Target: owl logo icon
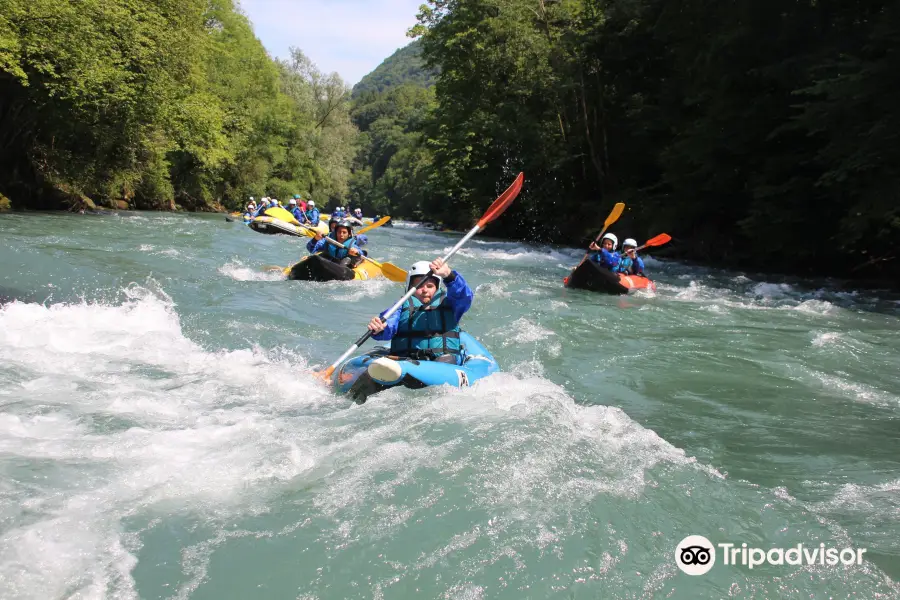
695	555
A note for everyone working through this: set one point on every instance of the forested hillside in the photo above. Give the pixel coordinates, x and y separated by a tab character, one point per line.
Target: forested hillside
153	103
405	66
392	106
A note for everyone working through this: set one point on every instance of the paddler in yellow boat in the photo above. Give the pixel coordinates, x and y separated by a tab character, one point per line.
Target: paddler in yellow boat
349	255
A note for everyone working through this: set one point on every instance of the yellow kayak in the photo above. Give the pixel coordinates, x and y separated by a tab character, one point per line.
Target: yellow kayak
317	267
267	224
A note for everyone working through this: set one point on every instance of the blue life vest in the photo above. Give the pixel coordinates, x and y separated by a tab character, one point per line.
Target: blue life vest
434	330
339	253
625	265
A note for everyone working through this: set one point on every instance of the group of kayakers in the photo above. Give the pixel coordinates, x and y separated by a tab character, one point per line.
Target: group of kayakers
427	326
343	212
304	211
627	262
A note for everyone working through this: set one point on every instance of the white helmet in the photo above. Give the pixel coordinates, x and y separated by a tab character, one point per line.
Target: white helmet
311	203
251	198
629	242
292	201
421	268
611	237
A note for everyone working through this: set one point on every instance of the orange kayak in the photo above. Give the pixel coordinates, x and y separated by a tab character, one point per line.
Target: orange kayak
591	276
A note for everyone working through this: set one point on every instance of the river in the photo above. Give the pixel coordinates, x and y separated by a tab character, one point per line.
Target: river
161	436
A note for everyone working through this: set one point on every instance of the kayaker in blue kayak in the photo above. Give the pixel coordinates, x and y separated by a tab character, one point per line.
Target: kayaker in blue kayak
605	254
629	262
433	332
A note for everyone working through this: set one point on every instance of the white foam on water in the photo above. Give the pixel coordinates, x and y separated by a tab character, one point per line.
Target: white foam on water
518	444
523	331
771	290
237	271
493	289
510	439
814	307
857	391
118	413
353	291
880	502
516	251
827	338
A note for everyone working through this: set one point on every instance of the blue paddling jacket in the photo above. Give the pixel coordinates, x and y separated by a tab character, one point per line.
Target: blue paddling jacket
333	251
630	267
605	258
434	329
312	215
298	214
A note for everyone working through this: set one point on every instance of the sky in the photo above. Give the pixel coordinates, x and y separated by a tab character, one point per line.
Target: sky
351	37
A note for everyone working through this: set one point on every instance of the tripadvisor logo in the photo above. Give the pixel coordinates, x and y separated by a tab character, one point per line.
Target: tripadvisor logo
696	555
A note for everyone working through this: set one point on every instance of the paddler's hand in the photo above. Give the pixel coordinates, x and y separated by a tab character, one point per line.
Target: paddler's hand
318	237
376	325
354	252
438	267
594	247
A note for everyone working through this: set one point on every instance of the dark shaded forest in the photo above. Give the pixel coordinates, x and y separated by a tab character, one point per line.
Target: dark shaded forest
761	135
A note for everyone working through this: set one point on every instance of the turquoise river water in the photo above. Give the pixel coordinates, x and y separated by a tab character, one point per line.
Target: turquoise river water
161	435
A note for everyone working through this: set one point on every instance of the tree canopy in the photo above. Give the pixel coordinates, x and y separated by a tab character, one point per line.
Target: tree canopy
161	102
760	135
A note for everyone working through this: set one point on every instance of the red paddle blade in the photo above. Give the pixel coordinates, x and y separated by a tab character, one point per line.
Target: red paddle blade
663	238
505	199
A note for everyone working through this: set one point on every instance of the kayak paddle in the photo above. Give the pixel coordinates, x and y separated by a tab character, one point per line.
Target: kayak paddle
612	218
494	210
659	240
377	223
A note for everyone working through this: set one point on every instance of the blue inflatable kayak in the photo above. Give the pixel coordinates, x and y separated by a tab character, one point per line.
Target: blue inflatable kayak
367	374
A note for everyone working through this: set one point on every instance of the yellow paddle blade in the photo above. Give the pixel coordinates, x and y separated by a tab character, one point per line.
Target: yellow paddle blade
615	214
377	223
389	270
393	272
